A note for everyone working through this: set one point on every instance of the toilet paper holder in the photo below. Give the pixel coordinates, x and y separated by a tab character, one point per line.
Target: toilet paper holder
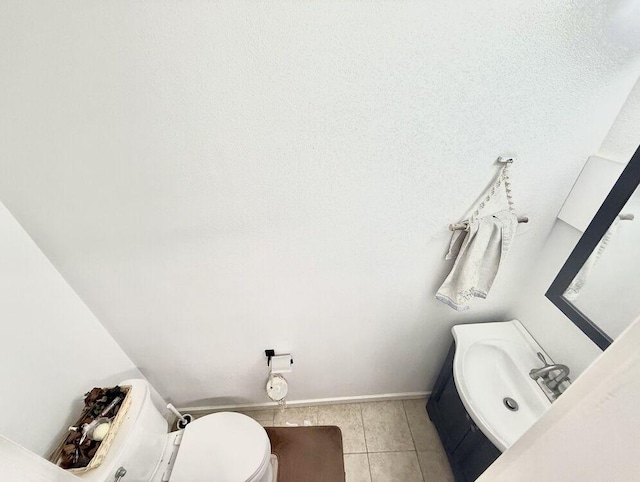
272	354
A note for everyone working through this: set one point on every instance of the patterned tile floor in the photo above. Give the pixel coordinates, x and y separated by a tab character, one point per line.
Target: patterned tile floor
383	441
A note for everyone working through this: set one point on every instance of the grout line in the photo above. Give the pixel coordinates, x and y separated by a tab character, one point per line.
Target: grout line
415	449
420	466
392	452
364	430
406	417
366	447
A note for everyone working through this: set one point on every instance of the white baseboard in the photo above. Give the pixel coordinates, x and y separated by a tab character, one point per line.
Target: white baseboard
307	403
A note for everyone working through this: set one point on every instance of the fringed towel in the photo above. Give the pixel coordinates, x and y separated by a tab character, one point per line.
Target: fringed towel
478	259
575	288
478	251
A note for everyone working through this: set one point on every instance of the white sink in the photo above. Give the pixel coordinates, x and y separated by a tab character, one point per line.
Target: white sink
492	362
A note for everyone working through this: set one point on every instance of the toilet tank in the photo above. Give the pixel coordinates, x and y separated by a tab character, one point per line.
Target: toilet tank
139	444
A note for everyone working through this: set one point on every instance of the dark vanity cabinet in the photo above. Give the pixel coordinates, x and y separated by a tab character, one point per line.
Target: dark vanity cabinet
468	450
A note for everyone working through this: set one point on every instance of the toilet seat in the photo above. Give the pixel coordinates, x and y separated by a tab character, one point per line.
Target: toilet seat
225	447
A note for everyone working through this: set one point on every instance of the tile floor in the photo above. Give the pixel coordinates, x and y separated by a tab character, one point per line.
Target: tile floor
383	441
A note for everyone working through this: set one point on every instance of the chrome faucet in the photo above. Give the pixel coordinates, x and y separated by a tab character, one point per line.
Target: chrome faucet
556	384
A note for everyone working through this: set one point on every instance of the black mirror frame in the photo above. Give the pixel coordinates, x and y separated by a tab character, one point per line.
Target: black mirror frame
615	201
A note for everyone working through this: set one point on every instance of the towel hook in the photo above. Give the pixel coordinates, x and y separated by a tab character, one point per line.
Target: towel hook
504	176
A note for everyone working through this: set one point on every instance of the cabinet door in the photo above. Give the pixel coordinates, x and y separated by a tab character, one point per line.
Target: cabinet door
446	372
454	416
480	458
468	443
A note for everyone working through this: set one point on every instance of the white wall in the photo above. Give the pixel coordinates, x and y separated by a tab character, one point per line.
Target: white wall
217	178
561	339
590	434
564	342
622	139
52	348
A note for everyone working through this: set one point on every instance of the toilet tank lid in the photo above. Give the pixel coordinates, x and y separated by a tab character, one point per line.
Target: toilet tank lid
221	446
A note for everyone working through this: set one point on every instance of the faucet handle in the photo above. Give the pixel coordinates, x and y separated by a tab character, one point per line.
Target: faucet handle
542	358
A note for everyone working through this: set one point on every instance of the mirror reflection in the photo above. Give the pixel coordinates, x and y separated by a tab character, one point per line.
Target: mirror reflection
606	287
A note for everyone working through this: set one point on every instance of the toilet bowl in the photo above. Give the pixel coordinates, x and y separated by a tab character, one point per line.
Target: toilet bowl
220	447
232	446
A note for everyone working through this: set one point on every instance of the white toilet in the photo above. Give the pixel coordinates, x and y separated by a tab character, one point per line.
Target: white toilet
221	447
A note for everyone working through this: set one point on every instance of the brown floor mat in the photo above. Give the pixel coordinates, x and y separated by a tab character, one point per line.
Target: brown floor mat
308	454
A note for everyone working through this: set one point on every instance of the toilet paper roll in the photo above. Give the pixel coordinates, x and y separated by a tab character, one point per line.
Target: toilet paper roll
281	364
277	388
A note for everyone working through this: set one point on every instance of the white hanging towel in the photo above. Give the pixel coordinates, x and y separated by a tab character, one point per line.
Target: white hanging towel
575	288
479	251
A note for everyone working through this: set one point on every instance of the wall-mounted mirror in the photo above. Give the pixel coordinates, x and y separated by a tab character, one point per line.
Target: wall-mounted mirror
598	286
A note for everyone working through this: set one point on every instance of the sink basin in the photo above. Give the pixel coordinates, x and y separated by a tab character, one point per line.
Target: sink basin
491	372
